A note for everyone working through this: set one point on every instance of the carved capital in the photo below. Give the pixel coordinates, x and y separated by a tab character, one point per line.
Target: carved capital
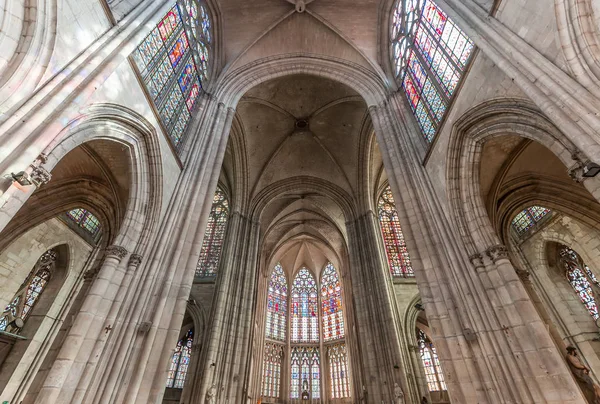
135	260
116	251
39	176
42	158
497	252
476	260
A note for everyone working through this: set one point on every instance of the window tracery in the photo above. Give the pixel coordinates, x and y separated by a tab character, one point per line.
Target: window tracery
393	239
214	236
29	293
272	370
429	55
305	341
86	220
527	218
431	363
173	63
304	314
338	370
180	361
277	305
581	278
331	301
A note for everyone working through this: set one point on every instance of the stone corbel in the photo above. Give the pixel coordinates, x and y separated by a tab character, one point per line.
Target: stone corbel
523	274
39	176
476	260
135	260
497	252
577	169
116	251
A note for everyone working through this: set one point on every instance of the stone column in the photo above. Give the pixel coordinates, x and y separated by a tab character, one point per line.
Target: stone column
374	309
83	332
491	341
226	362
570	105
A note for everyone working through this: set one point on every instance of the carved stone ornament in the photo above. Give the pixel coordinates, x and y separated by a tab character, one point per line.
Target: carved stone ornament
40	176
497	252
476	260
577	169
522	274
135	260
91	273
116	251
144	327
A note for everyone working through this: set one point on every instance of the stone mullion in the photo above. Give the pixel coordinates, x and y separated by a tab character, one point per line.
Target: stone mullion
129	340
234	302
565	101
374	310
88	317
406	174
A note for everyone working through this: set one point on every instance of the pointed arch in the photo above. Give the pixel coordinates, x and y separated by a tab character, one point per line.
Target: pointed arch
304	308
180	361
331	304
276	325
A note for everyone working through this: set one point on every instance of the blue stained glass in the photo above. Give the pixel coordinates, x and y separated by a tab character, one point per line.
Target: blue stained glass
180	361
581	279
164	61
439	51
527	218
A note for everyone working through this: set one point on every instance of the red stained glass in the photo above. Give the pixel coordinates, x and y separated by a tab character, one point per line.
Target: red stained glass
393	238
331	303
304	306
431	363
178	49
581	279
528	218
277	305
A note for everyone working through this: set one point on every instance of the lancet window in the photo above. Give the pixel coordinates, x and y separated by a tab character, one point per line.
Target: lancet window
18	310
85	220
173	63
527	218
431	363
306	341
429	56
393	239
214	236
581	278
180	361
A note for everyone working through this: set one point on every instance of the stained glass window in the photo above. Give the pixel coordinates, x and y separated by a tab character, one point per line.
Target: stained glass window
305	372
180	361
304	313
431	363
29	292
86	220
277	305
429	55
214	236
338	370
527	218
581	279
331	303
173	62
393	238
272	370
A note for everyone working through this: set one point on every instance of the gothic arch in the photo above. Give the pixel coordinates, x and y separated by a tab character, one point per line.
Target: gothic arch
577	23
117	123
488	120
235	84
26	60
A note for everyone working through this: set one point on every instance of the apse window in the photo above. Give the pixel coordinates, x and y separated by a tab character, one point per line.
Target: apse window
429	56
173	63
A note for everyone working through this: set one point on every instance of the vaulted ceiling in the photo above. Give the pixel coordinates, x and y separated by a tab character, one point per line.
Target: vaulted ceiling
303	129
